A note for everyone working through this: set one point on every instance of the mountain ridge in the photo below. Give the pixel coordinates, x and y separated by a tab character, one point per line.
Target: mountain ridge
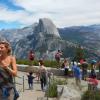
45	36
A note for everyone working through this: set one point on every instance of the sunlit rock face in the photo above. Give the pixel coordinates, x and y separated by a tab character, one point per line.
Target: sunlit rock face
46	39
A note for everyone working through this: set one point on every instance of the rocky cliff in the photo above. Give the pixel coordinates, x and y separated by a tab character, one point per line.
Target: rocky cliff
44	38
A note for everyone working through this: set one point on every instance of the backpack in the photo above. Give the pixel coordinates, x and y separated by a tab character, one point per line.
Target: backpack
43	75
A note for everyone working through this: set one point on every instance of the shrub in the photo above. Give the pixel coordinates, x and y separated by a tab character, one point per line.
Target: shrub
35	62
61	81
91	95
52	89
23	61
47	63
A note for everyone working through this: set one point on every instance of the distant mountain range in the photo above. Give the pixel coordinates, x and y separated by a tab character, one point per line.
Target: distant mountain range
87	36
45	39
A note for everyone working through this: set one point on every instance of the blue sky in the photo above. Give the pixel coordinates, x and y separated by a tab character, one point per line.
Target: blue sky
20	13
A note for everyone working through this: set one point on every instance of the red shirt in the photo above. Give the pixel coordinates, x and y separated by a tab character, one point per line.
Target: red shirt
93	81
81	61
31	56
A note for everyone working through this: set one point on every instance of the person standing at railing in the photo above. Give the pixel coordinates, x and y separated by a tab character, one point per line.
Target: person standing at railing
58	55
8	70
66	67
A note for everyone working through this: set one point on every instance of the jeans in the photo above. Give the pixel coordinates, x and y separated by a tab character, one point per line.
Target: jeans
7	94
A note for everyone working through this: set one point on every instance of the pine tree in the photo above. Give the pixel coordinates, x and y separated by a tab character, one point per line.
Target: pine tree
79	53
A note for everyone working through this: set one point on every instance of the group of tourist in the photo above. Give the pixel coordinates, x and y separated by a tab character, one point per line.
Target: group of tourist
8	70
41	75
81	70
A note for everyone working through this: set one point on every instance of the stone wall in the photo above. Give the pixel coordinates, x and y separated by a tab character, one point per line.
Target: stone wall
27	68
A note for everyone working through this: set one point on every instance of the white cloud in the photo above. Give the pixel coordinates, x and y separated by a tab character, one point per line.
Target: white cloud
61	12
18	16
58	5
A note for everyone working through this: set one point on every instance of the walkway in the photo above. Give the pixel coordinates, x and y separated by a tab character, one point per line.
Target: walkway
28	94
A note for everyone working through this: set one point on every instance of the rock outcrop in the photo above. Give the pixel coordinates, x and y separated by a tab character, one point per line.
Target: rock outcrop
70	94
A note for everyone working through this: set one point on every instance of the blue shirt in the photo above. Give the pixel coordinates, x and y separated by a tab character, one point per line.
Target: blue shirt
77	72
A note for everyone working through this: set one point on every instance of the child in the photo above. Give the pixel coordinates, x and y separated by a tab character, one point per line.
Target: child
30	80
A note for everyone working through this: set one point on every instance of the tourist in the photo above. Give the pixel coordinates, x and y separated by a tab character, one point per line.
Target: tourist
66	67
31	57
77	75
8	70
92	82
43	75
93	69
57	57
30	80
84	66
73	66
37	73
98	66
